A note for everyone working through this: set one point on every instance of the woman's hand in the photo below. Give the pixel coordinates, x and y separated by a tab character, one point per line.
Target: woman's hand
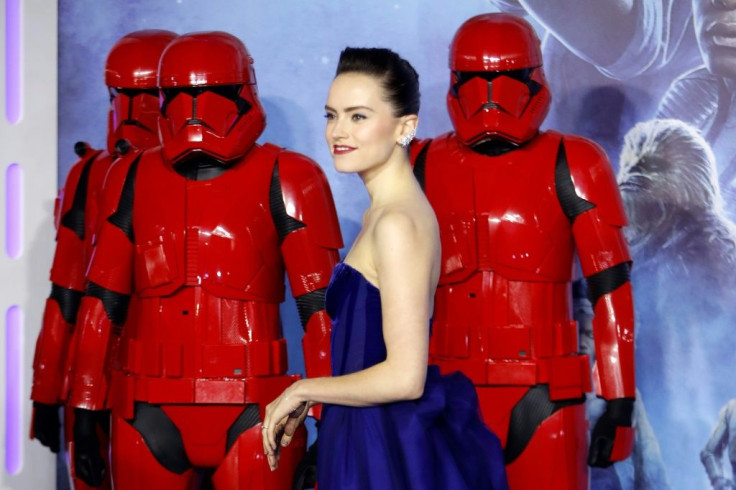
282	418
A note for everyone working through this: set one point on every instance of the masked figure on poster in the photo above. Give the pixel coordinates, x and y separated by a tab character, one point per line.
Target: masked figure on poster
201	235
513	205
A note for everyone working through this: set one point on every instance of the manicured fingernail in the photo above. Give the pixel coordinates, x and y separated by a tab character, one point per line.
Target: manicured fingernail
284	443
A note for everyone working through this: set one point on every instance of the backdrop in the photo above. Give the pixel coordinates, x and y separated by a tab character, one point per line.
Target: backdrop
613	65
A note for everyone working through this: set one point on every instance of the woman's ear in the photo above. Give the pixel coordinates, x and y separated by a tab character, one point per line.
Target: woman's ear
407	129
409	124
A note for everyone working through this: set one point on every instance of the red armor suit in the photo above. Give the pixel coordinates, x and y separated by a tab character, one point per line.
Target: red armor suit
513	206
130	75
201	236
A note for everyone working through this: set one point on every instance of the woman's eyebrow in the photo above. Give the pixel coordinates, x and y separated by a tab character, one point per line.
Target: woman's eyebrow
351	108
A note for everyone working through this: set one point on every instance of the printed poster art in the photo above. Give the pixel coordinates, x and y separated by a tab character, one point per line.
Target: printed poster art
652	82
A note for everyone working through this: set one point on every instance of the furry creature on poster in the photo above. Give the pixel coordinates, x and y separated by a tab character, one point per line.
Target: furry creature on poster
684	248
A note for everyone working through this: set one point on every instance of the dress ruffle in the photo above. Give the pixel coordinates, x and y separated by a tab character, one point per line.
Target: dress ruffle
438	441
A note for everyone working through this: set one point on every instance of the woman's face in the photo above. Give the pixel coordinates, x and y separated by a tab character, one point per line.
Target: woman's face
361	129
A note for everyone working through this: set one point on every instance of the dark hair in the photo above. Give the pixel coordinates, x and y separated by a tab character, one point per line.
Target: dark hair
398	78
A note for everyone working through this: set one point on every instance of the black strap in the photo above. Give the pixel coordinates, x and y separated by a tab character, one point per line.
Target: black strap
528	414
68	300
201	167
572	204
310	303
285	224
74	218
249	417
123	216
608	280
162	437
115	304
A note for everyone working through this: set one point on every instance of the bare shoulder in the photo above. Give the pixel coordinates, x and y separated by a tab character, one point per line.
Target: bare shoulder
406	229
401	222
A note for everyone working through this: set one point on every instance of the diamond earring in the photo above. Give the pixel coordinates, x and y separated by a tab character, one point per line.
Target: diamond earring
406	139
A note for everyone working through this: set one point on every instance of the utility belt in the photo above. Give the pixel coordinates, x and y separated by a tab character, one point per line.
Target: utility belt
252	359
126	389
567	376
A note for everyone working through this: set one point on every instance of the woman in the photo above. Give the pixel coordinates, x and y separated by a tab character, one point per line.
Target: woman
388	421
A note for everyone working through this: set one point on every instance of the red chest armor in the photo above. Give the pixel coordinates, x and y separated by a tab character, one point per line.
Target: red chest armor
492	199
203	264
217	233
502	308
206	271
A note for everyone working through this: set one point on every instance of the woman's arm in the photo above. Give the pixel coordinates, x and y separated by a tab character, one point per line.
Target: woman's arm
403	266
403	259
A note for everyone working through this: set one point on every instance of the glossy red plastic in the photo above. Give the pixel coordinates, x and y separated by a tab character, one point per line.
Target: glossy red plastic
204	266
204	121
132	64
131	71
495	42
503	306
486	108
133	60
242	466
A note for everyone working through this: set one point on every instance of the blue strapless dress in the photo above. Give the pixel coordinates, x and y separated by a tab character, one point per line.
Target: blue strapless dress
436	442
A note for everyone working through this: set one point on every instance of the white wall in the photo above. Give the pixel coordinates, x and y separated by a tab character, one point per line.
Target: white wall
31	143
